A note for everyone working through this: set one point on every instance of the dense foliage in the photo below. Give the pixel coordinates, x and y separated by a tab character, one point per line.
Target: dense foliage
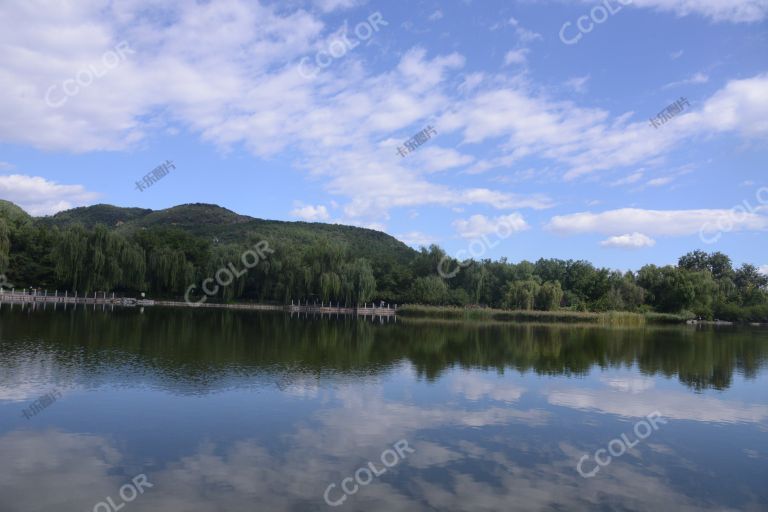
164	253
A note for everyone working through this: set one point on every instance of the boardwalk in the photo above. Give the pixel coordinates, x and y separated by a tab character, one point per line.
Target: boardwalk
105	299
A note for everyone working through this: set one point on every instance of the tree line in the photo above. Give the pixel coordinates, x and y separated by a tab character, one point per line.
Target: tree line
166	261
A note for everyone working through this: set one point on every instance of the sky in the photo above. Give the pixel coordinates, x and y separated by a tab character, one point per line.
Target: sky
622	132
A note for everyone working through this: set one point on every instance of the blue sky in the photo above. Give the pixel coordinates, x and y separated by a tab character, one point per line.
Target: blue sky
295	110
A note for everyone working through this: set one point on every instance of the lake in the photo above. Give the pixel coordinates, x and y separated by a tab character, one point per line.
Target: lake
213	410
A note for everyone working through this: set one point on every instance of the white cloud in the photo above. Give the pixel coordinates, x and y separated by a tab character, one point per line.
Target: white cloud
632	385
578	84
763	269
629	180
698	78
437	15
39	196
5	166
671	405
735	11
676	55
630	241
474	387
311	213
436	158
656	222
525	35
516	56
227	71
332	5
659	182
479	225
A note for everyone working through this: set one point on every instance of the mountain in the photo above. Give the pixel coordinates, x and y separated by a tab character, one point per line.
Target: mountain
214	222
13	213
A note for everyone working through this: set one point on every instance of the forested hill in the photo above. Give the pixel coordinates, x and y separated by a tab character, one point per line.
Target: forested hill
213	222
168	253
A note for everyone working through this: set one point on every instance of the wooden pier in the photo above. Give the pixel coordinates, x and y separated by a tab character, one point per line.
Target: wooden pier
45	297
307	309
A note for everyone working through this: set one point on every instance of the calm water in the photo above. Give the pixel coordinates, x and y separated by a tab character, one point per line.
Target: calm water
238	411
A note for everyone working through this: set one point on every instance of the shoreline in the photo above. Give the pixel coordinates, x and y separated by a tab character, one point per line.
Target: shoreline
412	311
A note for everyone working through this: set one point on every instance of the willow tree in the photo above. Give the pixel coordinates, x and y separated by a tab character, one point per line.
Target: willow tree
522	294
70	252
103	259
168	271
133	265
358	283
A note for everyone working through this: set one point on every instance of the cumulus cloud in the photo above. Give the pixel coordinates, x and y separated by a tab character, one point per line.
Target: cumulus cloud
311	213
763	269
516	56
479	225
39	196
656	222
630	241
228	72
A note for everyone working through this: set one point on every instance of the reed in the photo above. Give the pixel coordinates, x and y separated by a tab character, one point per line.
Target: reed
609	318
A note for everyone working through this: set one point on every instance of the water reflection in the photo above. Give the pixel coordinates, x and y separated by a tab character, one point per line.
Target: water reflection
240	412
200	350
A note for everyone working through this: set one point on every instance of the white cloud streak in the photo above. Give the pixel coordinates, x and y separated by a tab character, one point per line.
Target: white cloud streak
655	222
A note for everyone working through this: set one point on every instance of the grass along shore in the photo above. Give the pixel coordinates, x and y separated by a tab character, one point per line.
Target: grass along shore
616	318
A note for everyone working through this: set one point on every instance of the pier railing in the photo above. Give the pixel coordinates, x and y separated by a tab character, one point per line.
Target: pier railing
110	299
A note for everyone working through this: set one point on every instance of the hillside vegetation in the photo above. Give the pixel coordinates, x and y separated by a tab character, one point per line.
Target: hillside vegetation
166	252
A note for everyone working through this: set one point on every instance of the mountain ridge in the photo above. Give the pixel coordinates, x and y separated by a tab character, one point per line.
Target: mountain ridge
226	226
